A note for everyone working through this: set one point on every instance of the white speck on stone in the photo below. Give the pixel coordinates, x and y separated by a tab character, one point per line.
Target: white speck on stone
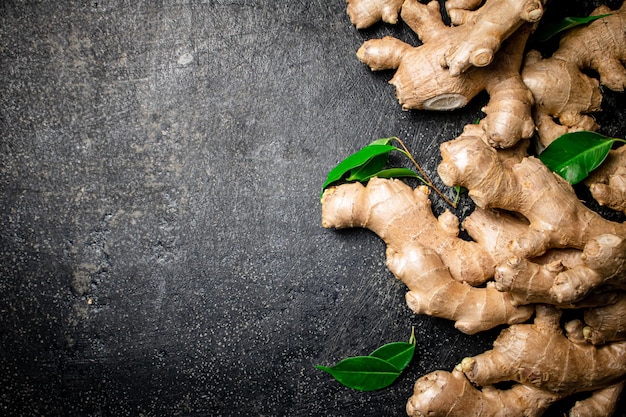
185	59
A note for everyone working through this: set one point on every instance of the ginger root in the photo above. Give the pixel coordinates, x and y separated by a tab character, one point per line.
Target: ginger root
432	291
535	246
364	13
600	403
458	10
607	323
557	218
401	216
561	88
437	75
569	278
425	253
608	183
451	394
540	354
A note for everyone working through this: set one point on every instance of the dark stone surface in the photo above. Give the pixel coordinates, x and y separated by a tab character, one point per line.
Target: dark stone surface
160	243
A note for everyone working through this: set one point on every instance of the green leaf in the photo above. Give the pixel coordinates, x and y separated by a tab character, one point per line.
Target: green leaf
363	373
367	170
399	354
574	155
395	173
544	33
363	163
355	161
458	191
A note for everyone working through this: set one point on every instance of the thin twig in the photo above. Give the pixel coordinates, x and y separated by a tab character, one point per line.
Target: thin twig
423	173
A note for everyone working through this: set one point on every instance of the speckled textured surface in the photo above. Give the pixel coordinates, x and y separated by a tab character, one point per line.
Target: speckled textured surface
161	251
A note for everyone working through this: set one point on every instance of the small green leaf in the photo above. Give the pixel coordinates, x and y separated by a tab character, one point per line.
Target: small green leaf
458	191
395	173
363	373
367	170
574	155
372	154
399	354
544	33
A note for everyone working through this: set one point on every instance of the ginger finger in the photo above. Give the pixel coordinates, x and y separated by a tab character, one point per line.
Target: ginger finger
601	403
566	276
557	218
458	10
560	91
364	13
489	26
434	292
607	323
539	354
425	80
560	87
425	252
402	216
608	183
600	45
604	263
450	394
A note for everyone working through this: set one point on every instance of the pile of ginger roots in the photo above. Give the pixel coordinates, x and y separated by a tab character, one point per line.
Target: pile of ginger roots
535	254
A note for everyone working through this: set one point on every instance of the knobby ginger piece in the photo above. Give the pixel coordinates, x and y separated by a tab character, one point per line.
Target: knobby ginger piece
486	28
425	252
557	218
400	215
364	13
601	403
434	292
604	264
607	323
458	10
437	75
564	95
540	354
450	394
600	46
563	277
569	278
608	182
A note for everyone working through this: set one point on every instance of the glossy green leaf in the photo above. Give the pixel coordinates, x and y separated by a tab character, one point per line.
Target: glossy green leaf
395	173
369	169
544	33
574	155
399	354
363	373
363	163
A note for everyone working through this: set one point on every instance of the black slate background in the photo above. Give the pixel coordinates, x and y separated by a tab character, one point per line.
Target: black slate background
161	251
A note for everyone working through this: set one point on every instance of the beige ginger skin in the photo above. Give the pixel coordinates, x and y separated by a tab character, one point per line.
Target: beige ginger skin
557	218
608	183
451	394
364	13
606	323
539	354
425	253
400	215
449	69
564	94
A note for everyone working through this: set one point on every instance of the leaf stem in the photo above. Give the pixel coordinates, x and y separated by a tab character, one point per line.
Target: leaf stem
412	339
423	173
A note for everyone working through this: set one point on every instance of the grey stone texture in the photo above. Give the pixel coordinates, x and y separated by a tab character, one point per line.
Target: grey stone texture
161	252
